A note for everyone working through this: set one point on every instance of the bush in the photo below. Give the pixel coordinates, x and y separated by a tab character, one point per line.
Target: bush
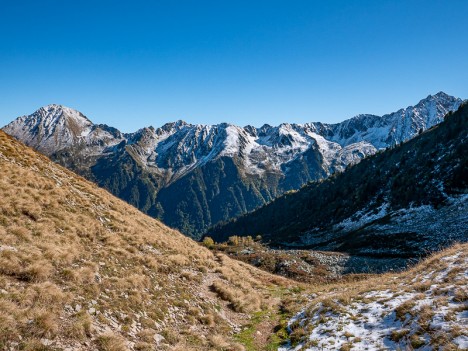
110	342
208	242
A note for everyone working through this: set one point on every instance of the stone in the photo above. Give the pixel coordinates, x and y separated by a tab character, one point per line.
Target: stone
158	338
46	342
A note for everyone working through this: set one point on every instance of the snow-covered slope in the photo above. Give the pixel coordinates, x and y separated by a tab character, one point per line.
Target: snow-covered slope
54	127
424	308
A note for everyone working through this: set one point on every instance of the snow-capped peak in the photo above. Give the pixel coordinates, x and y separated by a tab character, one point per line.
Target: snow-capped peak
179	147
395	127
55	127
54	114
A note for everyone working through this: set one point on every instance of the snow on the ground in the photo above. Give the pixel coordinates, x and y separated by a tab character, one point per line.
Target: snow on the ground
361	218
416	313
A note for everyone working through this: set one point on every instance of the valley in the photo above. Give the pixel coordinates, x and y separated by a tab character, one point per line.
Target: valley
307	266
194	176
403	202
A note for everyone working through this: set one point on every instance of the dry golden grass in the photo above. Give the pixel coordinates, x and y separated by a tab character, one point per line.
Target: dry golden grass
110	342
82	269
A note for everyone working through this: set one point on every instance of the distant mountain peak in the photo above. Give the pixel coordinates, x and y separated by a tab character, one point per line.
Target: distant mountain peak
52	110
396	127
441	94
54	127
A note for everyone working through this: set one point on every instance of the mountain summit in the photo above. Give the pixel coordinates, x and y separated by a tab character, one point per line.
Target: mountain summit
193	176
55	127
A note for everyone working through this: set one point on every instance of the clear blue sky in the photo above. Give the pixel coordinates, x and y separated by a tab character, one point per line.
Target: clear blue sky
136	63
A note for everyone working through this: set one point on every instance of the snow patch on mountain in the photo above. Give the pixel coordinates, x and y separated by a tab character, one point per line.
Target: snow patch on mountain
396	127
362	218
54	127
426	228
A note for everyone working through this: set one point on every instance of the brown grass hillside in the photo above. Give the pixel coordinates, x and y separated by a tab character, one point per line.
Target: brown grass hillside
82	270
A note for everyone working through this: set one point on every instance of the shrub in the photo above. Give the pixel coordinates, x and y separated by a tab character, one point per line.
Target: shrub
239	301
110	342
208	242
417	341
233	240
43	323
403	309
170	336
218	342
397	335
36	272
297	335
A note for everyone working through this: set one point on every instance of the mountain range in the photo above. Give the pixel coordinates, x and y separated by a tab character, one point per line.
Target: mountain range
194	176
404	201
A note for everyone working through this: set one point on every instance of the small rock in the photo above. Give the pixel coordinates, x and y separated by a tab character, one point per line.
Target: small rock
46	342
92	310
158	338
78	308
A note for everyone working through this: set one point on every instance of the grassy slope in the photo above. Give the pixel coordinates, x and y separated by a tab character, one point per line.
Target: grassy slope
81	269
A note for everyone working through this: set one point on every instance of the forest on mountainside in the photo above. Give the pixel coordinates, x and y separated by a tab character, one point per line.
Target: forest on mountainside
424	170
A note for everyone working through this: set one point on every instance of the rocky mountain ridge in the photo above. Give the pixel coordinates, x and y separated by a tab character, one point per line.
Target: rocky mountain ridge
403	202
224	170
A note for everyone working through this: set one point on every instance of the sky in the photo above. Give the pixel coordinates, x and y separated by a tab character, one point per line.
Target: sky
136	63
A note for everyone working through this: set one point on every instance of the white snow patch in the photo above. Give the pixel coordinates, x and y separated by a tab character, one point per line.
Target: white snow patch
362	217
367	323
